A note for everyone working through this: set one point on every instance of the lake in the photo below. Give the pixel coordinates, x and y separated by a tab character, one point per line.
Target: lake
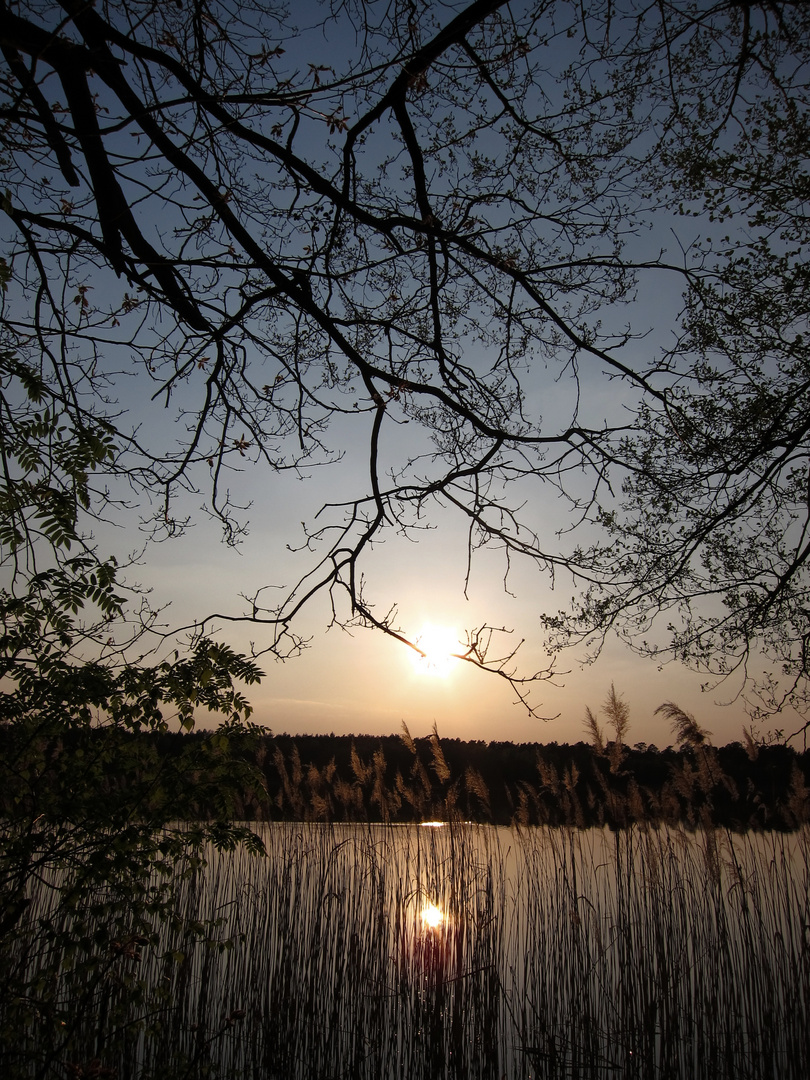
466	951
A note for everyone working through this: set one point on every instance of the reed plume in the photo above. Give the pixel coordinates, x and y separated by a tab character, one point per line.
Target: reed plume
474	784
361	771
594	732
439	764
685	727
617	712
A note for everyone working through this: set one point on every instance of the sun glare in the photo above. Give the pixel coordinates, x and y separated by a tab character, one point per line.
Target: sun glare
432	916
439	644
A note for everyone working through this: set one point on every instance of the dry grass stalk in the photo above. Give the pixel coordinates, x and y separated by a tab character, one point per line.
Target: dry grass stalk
685	727
593	730
617	712
474	785
439	764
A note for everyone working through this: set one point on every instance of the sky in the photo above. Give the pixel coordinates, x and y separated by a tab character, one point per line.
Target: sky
361	681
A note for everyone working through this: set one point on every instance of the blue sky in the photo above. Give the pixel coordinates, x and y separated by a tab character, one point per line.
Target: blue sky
359	680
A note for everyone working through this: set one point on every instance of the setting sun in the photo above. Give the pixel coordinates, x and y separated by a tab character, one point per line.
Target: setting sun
440	647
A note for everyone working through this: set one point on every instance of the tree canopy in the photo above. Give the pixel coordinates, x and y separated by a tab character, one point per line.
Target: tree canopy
475	219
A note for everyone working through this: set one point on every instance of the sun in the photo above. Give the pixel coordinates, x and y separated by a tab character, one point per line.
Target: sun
440	646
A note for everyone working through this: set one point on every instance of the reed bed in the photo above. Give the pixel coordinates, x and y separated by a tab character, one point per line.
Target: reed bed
560	953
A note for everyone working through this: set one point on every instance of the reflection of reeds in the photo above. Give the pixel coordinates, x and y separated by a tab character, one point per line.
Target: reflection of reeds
640	953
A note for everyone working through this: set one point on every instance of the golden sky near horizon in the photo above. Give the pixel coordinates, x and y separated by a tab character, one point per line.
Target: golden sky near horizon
362	682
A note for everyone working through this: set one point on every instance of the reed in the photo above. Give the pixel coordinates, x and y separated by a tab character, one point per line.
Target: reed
560	952
604	783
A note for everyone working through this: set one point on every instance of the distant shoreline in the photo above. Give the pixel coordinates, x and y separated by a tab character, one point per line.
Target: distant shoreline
396	778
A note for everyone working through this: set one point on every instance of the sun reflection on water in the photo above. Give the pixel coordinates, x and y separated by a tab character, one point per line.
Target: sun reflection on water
432	916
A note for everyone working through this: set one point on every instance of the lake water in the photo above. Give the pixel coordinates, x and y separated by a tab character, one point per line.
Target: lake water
473	952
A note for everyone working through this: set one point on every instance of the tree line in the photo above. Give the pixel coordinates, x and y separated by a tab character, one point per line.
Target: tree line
359	778
397	778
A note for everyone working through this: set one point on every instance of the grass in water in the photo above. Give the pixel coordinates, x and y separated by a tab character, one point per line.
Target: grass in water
388	951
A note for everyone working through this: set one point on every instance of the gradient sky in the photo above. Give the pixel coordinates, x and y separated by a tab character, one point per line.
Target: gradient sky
363	682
